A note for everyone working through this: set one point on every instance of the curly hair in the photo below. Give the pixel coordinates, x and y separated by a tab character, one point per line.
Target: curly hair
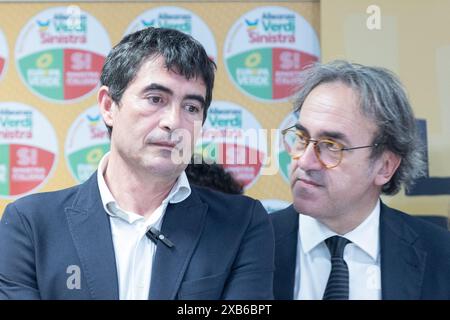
214	176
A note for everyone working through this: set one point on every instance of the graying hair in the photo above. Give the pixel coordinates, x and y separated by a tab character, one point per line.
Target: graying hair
383	99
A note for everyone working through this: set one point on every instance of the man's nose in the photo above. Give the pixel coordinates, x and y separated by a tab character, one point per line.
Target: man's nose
170	118
308	160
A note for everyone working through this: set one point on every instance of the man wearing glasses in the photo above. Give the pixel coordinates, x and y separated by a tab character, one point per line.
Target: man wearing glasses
355	140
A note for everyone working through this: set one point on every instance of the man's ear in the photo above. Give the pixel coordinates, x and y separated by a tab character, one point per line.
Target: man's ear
388	166
106	105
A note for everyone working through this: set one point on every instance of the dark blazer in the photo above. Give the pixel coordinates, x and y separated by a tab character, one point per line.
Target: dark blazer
415	256
223	249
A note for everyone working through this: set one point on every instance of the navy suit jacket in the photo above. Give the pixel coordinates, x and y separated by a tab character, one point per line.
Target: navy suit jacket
415	256
224	248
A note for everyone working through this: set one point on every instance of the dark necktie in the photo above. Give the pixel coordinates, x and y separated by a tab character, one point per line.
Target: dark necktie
337	285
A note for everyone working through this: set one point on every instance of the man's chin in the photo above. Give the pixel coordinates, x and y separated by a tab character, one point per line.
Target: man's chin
305	205
163	167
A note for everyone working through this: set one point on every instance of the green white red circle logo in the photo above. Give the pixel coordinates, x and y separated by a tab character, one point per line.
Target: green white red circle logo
28	149
179	19
272	205
233	137
3	54
86	143
60	53
284	159
266	49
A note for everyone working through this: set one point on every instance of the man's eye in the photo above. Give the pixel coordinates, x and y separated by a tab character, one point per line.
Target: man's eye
301	136
155	99
192	109
330	145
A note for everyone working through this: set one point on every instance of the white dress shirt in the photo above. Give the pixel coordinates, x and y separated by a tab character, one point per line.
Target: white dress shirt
134	252
362	257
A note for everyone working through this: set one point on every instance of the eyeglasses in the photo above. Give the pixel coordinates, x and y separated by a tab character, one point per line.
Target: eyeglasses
328	152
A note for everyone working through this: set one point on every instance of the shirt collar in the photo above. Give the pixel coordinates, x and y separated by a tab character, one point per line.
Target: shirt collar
365	236
179	192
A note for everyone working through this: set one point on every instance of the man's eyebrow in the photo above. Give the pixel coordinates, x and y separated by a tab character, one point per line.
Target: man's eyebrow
335	135
155	86
299	127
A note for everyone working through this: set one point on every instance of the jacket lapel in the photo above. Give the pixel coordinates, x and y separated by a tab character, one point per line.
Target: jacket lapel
402	261
286	254
91	233
183	225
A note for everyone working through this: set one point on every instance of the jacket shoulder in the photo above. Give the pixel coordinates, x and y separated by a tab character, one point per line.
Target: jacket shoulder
229	203
433	238
43	208
45	199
